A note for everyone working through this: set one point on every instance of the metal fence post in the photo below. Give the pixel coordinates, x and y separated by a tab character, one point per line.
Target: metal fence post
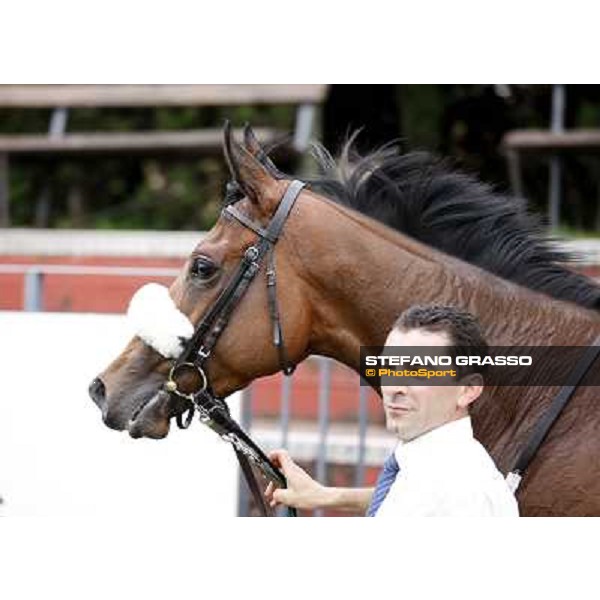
324	395
557	126
305	118
359	474
4	192
284	422
33	293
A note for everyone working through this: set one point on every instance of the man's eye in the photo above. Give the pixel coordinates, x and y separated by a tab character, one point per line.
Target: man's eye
203	268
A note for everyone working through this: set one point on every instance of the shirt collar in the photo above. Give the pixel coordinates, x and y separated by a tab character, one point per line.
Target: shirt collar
438	439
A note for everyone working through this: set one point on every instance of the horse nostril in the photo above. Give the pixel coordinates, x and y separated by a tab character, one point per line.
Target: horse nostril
97	392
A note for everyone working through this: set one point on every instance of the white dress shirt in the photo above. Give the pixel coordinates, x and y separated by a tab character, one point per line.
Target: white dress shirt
446	472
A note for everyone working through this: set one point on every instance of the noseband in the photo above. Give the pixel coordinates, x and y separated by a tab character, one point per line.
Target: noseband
190	364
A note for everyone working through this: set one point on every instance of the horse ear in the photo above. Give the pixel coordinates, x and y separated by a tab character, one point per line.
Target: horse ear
254	178
253	146
228	142
251	142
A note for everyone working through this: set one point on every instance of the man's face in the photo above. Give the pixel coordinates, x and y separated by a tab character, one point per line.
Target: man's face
413	410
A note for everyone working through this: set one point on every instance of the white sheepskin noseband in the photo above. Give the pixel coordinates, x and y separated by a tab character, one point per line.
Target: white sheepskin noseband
157	320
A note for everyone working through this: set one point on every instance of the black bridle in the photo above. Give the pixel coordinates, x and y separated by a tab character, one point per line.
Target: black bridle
190	364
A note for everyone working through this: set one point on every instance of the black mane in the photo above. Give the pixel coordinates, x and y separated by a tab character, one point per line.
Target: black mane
424	198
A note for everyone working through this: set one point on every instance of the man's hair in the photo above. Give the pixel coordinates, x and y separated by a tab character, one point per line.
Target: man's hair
461	326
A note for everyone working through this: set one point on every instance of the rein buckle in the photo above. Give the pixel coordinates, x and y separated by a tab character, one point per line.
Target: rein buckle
202	353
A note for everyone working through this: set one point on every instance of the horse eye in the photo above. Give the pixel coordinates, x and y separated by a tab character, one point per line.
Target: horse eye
203	268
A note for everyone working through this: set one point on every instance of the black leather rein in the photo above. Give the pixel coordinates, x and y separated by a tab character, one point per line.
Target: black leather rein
213	411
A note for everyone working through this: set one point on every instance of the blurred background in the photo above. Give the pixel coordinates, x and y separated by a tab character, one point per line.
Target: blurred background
153	181
104	188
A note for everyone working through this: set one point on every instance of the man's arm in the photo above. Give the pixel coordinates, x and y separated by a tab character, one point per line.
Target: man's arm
351	499
304	492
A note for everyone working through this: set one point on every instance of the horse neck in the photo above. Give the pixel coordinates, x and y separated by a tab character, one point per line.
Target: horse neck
362	274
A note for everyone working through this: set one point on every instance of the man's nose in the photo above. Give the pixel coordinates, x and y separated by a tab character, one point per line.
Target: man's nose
392	390
97	392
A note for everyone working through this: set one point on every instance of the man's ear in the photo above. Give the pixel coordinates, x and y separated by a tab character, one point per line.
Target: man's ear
472	388
261	188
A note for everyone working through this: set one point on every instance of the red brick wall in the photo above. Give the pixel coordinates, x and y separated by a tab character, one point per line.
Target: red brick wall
77	293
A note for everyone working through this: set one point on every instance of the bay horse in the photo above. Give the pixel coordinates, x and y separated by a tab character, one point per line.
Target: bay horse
364	241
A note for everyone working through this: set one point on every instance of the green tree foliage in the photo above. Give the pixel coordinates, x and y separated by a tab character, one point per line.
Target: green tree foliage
463	122
125	193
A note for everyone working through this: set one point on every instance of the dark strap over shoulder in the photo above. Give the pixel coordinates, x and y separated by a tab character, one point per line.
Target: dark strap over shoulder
548	419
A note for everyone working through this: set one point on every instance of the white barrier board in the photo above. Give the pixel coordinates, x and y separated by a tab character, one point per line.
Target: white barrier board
56	455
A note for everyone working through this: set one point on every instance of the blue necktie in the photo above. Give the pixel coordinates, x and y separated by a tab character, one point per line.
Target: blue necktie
384	483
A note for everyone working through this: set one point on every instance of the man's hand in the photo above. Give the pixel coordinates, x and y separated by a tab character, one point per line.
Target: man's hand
305	493
302	492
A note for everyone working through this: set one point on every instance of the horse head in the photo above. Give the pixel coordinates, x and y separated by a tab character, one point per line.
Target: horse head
129	391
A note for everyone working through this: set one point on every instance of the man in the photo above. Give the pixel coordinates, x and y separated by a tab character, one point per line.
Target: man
438	468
